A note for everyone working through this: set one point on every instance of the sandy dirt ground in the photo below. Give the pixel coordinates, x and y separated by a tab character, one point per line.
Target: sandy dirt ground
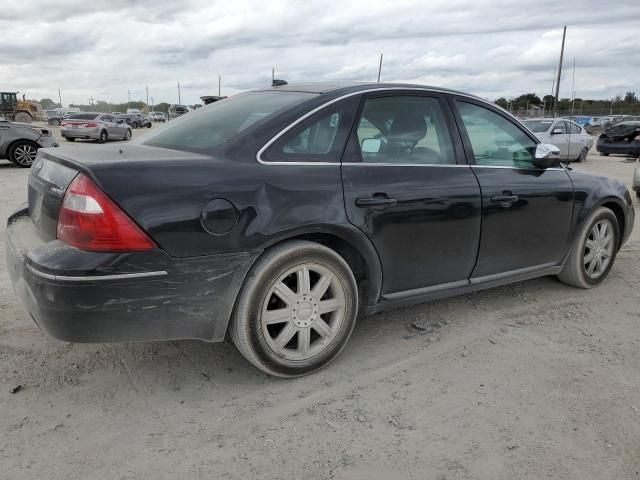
529	381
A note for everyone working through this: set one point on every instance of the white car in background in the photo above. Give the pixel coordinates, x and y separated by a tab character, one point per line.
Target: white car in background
573	141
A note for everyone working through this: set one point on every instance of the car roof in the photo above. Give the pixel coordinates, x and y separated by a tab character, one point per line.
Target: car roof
352	87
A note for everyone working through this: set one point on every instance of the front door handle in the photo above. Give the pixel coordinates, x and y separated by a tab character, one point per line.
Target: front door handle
505	201
380	201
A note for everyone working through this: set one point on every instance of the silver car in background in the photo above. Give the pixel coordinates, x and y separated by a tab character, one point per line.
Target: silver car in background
19	142
573	141
95	126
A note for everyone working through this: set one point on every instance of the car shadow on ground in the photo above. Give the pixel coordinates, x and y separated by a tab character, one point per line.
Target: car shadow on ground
377	341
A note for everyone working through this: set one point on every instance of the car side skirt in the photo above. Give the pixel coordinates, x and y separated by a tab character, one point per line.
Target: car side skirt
435	292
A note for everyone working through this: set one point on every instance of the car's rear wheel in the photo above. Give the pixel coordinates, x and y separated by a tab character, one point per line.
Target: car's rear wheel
23	153
104	137
583	155
594	250
296	310
70	139
604	154
127	135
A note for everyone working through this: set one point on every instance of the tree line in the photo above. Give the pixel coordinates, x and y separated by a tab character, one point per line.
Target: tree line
627	104
107	107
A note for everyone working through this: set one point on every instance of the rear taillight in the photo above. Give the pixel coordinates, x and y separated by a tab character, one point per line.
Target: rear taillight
90	125
90	220
64	124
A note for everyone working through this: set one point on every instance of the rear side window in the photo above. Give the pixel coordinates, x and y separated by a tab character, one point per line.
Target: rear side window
320	138
211	126
405	130
560	128
495	140
573	128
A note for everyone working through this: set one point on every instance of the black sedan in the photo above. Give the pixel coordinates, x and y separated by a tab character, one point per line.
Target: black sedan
278	217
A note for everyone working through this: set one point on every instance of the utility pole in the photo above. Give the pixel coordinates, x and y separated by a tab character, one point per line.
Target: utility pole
555	106
573	85
380	68
128	98
273	74
220	85
60	97
152	104
91	101
179	97
147	90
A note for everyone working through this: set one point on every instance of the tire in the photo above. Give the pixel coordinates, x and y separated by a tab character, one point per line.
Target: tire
604	154
104	137
22	117
583	155
260	337
148	125
127	135
23	153
576	269
70	139
638	193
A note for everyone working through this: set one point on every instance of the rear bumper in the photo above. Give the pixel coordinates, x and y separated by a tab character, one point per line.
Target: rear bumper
93	133
79	296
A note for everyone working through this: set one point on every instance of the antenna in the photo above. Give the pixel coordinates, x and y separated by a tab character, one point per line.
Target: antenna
380	68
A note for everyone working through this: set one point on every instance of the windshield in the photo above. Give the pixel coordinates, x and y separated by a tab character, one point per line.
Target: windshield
211	126
538	126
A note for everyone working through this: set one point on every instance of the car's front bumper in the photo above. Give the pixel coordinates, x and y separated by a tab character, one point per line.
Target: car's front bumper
92	133
622	148
46	142
79	296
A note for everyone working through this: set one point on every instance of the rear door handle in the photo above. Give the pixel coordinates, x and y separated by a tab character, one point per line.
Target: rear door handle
505	200
376	201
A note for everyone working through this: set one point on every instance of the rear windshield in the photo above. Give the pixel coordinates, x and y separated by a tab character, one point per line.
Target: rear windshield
214	124
82	116
538	126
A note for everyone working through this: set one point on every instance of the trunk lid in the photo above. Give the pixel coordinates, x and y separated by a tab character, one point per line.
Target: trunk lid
55	169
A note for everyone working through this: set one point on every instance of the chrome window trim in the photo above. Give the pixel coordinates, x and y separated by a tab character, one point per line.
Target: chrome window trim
331	102
94	278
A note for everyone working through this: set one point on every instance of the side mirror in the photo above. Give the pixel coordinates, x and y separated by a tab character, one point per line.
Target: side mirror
546	156
371	145
557	131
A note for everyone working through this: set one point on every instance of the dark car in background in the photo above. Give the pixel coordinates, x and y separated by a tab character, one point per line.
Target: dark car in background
276	218
135	120
621	138
94	126
19	142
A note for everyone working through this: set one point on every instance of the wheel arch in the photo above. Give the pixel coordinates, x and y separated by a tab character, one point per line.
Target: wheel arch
613	204
353	246
20	140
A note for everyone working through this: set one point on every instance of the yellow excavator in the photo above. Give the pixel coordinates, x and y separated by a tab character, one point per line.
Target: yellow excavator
22	111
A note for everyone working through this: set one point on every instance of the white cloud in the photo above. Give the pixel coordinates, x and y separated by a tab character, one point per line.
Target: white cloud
105	48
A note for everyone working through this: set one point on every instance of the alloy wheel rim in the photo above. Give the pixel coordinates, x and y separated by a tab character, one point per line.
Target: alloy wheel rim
25	154
598	249
303	311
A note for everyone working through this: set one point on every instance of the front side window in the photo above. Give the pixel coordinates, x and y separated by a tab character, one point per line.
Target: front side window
404	130
495	140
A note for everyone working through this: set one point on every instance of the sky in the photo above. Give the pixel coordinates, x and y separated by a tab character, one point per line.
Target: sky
106	49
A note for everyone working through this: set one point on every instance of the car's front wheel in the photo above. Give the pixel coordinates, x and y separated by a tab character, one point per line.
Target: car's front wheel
23	153
296	310
127	135
594	250
104	136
